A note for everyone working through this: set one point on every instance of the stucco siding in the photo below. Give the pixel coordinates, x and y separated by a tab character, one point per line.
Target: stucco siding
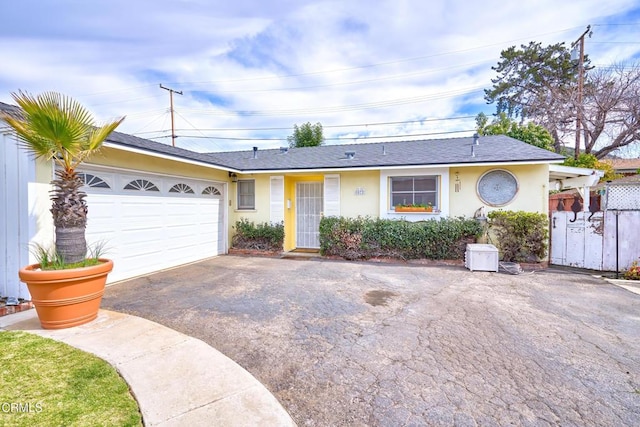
359	193
261	212
532	193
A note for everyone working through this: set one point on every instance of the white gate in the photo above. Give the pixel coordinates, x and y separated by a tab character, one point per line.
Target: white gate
604	241
621	244
577	239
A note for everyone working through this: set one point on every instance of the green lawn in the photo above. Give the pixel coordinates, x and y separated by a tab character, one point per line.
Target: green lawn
48	383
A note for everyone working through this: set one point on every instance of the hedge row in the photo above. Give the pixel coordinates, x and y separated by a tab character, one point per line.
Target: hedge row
264	236
364	237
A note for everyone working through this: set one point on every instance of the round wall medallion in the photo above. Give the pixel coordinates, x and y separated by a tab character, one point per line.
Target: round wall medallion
497	187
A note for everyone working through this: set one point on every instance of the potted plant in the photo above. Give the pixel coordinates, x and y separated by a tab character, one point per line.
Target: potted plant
66	288
414	207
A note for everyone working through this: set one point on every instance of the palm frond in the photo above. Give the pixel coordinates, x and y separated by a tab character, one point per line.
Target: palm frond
54	126
94	139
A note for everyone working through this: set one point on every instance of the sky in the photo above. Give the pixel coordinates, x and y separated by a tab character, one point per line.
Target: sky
246	72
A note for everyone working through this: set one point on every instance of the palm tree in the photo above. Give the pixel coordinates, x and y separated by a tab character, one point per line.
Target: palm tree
56	127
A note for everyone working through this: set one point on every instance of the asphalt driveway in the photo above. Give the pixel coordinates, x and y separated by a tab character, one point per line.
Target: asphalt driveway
357	344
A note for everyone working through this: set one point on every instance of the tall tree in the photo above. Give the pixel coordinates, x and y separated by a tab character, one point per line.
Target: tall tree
530	133
55	127
536	83
610	112
540	84
306	135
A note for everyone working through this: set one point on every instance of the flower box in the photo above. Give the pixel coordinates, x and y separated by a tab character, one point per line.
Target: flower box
413	209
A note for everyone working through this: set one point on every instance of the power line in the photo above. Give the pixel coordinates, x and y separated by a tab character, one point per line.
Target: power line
323	110
173	129
591	42
379	64
331	71
341	108
149	124
126	100
196	129
355	82
636	24
324	126
328	139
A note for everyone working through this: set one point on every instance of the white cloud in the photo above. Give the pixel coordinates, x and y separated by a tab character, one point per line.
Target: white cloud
332	62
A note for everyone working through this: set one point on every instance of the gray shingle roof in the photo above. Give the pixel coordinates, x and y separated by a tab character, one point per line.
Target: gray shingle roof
492	149
119	138
8	108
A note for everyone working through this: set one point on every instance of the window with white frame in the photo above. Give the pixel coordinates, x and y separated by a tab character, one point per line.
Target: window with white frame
414	190
246	194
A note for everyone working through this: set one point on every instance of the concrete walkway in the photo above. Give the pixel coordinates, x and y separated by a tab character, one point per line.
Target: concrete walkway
630	285
177	380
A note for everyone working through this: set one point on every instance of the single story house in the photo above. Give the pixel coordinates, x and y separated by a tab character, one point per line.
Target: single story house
157	206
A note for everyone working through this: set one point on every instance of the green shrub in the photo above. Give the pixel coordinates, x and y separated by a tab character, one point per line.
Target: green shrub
522	236
364	237
633	273
592	162
264	236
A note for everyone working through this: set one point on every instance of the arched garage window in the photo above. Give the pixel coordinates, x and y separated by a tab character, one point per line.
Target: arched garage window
211	191
141	185
181	188
93	180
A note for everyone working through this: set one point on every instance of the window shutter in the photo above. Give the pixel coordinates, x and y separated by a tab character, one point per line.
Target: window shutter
276	197
332	195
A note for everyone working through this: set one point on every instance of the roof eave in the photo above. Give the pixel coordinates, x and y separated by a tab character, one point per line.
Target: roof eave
127	148
387	167
566	177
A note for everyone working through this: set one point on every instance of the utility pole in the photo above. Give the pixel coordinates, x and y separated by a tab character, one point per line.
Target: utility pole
580	84
173	129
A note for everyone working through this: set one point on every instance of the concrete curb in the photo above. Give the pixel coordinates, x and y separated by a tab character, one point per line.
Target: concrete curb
176	379
630	285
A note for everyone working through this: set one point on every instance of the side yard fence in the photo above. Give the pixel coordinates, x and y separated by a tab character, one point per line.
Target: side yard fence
604	240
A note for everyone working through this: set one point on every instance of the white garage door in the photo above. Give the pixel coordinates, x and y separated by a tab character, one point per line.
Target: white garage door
151	222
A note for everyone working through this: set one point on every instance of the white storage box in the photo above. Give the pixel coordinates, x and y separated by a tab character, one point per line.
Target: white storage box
481	257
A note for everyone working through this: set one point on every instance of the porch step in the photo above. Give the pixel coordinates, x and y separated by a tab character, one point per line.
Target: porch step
302	254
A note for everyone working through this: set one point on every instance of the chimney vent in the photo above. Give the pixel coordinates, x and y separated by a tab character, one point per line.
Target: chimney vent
476	139
384	150
350	154
255	152
473	151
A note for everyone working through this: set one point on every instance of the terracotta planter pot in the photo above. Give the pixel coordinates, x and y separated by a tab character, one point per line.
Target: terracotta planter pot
66	298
